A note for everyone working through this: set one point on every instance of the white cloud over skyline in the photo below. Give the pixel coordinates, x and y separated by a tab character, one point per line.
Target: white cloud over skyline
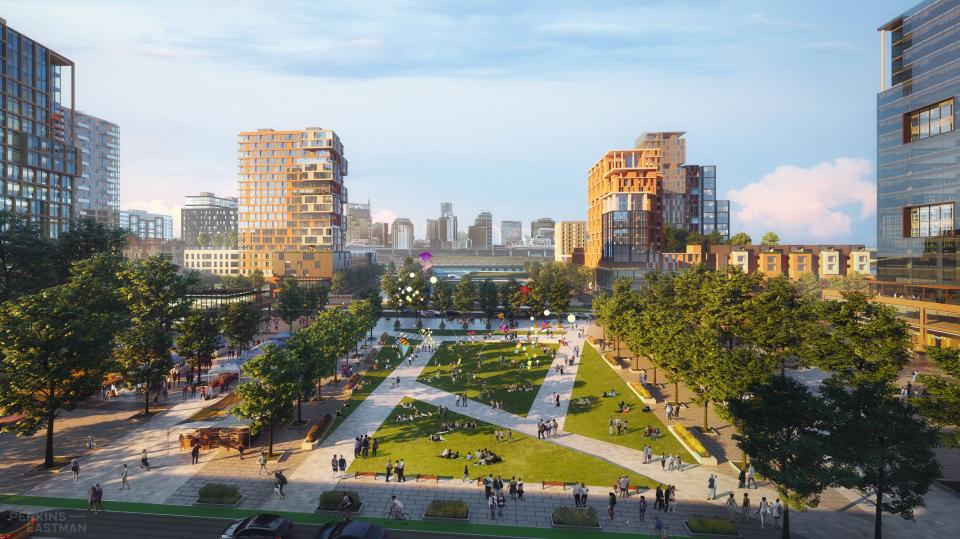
821	203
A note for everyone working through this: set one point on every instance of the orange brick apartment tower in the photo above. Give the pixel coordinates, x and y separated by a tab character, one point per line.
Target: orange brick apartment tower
624	214
291	200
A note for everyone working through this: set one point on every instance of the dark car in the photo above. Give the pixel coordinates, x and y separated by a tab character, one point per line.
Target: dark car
274	526
351	529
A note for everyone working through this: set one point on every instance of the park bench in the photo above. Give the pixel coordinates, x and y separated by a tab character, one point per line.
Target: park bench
428	477
637	489
560	484
372	475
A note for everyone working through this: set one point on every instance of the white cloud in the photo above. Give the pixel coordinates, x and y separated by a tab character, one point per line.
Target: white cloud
800	204
383	216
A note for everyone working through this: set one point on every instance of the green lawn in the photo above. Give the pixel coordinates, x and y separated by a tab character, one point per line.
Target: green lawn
592	418
387	359
533	460
451	331
497	377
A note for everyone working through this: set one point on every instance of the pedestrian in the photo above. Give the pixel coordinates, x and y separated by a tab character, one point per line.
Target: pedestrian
389	469
584	491
123	478
658	503
279	481
374	446
763	510
731	506
777	513
520	488
679	464
144	463
92	499
509	435
493	507
751	476
624	485
658	525
745	507
663	461
334	464
556	427
501	503
643	508
400	477
576	495
466	473
666	498
195	454
98	494
240	448
557	399
75	468
90	442
356	446
343	464
611	503
610	426
262	461
488	485
712	487
741	478
671	462
513	488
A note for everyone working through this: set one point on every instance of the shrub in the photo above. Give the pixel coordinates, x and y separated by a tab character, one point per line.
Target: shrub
447	509
330	500
715	526
217	493
568	516
691	440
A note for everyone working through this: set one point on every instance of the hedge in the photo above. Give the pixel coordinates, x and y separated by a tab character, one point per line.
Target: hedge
715	526
219	494
330	500
447	509
567	516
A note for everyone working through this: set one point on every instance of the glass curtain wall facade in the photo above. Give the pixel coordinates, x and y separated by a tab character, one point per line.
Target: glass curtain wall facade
98	186
918	146
39	162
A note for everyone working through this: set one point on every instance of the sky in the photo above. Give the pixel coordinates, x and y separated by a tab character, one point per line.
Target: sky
492	105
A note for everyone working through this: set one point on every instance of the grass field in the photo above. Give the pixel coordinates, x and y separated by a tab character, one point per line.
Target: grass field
497	377
591	416
387	359
531	459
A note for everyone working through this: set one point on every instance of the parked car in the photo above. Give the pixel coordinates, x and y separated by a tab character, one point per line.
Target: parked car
351	529
262	525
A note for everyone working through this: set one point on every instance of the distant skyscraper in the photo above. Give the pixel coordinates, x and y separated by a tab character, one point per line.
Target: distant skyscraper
208	220
446	209
569	235
292	195
481	233
433	233
380	234
146	225
98	187
402	233
40	159
542	228
511	233
358	223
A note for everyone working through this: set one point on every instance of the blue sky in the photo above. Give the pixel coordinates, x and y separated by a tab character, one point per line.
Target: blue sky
492	105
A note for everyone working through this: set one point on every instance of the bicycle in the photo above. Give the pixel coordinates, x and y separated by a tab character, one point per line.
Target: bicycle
397	514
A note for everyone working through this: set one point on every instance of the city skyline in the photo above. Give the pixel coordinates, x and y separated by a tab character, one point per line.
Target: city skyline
801	85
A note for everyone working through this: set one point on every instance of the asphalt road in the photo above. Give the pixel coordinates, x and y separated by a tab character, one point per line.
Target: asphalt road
69	524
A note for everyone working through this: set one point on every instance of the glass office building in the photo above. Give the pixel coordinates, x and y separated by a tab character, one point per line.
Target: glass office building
918	146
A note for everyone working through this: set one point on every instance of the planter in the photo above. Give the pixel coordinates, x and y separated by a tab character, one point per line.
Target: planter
334	511
445	519
698	534
580	511
648	400
710	459
571	526
206	504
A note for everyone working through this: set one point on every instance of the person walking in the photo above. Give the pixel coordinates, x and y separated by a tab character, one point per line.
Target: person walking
123	479
764	511
731	506
741	478
262	461
400	477
513	488
279	481
666	498
501	503
610	426
374	446
745	507
576	495
75	468
240	448
195	454
643	508
777	512
334	464
712	487
751	476
492	504
144	463
98	497
663	461
488	485
611	503
520	488
90	443
389	469
92	499
658	503
343	464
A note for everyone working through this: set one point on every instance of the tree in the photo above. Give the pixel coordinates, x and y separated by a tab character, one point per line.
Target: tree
808	284
84	239
156	296
511	296
26	266
783	429
770	239
390	287
941	403
860	341
781	319
372	296
741	239
674	239
302	349
291	301
488	297
362	320
204	239
338	283
464	295
55	346
199	339
239	324
334	338
315	298
442	296
267	399
879	447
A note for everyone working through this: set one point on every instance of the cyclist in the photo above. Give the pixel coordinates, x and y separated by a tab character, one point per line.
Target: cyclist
395	510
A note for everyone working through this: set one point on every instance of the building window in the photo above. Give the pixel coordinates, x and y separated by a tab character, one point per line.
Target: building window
928	122
929	221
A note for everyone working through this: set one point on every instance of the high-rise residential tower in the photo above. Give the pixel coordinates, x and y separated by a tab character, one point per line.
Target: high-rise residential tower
624	216
98	187
569	236
207	220
292	195
39	160
401	233
511	233
380	234
146	225
538	226
481	233
358	223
